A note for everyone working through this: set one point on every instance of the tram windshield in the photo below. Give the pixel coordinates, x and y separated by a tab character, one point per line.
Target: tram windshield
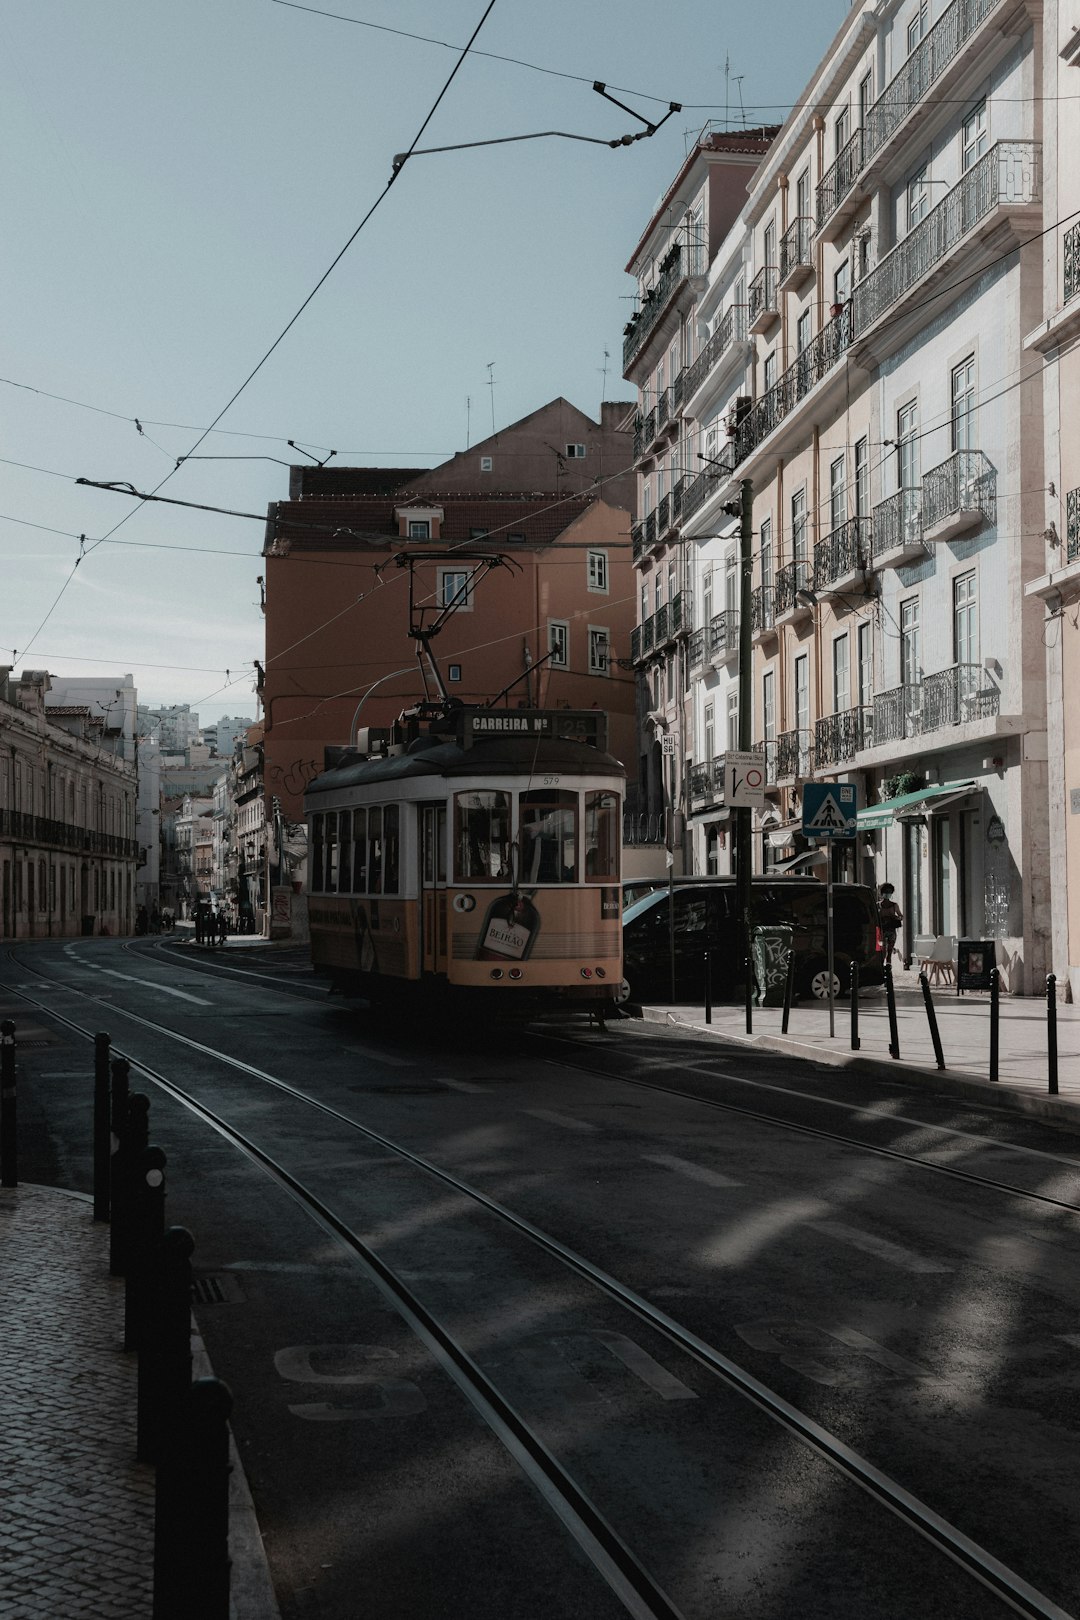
482	834
549	836
602	835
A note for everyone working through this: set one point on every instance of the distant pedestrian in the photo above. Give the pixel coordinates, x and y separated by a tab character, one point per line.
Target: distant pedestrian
222	928
155	919
891	918
140	920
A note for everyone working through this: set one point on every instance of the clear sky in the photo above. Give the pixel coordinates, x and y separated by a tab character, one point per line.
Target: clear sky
174	181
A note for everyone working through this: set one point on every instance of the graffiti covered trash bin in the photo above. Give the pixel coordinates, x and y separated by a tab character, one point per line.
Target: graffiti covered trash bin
771	946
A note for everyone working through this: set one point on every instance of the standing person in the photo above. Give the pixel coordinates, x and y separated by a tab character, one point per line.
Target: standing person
155	920
891	918
223	927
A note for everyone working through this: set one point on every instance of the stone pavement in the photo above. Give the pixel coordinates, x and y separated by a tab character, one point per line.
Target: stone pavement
964	1028
76	1509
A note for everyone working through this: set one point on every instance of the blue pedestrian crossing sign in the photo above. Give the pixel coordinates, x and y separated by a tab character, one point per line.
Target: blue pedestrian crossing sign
829	809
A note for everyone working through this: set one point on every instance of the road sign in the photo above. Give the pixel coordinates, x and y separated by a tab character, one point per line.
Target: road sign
829	809
744	780
667	746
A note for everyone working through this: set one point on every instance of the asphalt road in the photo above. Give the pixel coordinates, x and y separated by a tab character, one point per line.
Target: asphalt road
927	1322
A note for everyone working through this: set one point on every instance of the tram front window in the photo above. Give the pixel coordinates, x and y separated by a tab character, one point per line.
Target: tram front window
549	836
602	835
481	836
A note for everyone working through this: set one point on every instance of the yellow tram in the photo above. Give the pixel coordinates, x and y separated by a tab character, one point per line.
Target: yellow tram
481	855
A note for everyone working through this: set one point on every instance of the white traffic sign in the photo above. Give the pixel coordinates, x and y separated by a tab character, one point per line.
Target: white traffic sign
744	780
667	745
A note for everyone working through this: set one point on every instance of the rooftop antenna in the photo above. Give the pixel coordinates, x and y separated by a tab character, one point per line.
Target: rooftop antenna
738	78
603	373
468	421
491	385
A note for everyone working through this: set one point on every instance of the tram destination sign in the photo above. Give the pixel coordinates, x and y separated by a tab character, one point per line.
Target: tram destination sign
581	725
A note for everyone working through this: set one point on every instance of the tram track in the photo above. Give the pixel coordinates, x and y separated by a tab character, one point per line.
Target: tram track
616	1562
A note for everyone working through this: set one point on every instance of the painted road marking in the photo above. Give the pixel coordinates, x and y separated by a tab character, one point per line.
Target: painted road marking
1070	1338
695	1172
350	1366
166	989
825	1354
462	1085
565	1120
881	1249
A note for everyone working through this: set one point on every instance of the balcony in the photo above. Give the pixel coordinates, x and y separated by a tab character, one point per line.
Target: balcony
673	272
663	412
767	750
731	330
637	540
1072	526
663	514
793	755
1007	176
660	623
680	613
42	831
896	713
796	576
676	500
898	531
707	783
648	635
635	645
650	530
924	712
763	611
707	482
1071	267
677	393
815	362
837	736
956	696
843	556
958	497
763	299
696	649
835	200
724	636
796	256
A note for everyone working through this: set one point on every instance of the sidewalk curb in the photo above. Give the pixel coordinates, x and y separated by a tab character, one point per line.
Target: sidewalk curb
953	1082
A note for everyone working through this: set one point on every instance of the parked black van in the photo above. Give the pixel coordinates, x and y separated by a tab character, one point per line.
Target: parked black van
705	921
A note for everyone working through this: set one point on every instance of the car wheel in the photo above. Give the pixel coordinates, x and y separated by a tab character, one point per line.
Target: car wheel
623	994
818	983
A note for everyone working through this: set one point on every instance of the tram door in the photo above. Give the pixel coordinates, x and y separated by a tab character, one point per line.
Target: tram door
433	888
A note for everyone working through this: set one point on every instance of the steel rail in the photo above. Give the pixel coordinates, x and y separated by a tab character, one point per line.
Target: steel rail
972	1558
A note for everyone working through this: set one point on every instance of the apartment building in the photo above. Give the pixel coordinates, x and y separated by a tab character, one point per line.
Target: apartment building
869	383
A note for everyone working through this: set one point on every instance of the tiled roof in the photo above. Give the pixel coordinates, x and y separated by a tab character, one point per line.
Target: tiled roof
322	525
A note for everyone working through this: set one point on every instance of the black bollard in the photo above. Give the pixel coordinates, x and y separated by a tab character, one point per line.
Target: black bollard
890	1001
995	999
120	1070
789	990
708	991
133	1137
191	1557
1051	1034
9	1138
931	1019
101	1127
165	1354
147	1226
856	1043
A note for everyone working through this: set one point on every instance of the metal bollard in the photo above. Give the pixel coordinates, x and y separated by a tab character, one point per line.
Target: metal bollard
9	1137
102	1153
995	1000
789	990
191	1553
931	1019
120	1070
165	1353
131	1144
708	991
890	1001
856	1043
1051	1034
146	1227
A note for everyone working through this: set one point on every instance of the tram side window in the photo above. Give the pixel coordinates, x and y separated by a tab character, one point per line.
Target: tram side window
391	849
317	854
331	854
359	856
481	835
603	835
549	836
345	855
375	850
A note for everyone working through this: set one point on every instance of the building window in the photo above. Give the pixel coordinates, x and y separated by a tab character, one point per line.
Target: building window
841	675
837	494
598	650
963	405
909	642
454	672
866	96
802	195
918	198
479	534
558	643
644	614
485	463
768	706
733	717
798	526
575	452
515	539
973	138
965	620
842	283
802	332
802	695
597	566
841	131
710	731
455	589
706	596
862	478
770	371
866	665
658	590
419	528
916	28
731	582
907	446
766	559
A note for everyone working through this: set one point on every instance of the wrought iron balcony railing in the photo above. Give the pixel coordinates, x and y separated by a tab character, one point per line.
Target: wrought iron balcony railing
767	750
677	392
43	830
1072	263
838	180
710	478
896	713
793	753
639	437
1008	173
676	500
656	301
926	63
762	609
1072	526
663	513
724	632
648	634
732	328
953	696
635	644
843	552
966	482
650	530
660	624
707	781
680	612
637	540
696	649
795	576
808	368
663	412
795	250
763	298
648	428
898	524
837	736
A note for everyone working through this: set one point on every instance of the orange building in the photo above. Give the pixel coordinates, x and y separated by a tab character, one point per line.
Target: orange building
525	537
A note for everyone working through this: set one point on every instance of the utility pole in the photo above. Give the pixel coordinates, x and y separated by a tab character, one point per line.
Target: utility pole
743	813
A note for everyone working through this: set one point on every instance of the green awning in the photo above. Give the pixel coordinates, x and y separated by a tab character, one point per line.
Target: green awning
889	810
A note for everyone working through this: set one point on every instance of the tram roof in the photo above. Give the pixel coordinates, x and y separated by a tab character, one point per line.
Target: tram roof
494	756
